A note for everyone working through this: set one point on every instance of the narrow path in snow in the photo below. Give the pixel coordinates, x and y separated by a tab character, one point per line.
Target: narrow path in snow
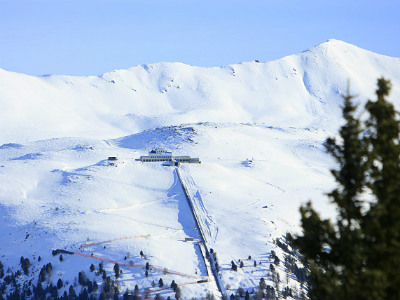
208	226
113	240
130	238
130	206
208	257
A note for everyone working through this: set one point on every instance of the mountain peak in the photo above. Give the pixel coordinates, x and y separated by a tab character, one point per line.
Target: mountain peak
333	43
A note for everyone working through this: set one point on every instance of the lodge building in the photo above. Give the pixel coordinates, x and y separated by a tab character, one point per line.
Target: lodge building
159	155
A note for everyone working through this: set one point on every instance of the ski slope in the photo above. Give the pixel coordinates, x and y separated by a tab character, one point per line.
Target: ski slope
258	129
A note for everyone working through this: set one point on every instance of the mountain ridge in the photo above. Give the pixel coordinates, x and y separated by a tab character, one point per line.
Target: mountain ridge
302	90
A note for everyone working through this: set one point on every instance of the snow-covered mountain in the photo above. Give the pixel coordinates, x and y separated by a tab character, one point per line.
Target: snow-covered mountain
258	129
300	90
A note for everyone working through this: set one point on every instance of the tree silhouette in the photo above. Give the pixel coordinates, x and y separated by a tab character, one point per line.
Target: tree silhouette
358	255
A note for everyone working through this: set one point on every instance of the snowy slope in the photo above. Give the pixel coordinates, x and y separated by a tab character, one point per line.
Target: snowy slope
258	129
64	193
299	90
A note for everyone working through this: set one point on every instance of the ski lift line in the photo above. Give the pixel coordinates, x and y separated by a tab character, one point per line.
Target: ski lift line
113	240
157	268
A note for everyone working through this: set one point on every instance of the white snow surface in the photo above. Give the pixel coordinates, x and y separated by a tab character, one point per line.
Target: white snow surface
258	129
301	90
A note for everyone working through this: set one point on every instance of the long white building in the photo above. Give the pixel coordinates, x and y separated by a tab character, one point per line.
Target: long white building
157	155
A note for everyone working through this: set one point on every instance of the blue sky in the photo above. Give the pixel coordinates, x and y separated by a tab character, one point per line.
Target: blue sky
88	37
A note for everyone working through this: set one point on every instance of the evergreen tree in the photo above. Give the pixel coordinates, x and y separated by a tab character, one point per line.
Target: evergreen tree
25	264
115	297
49	268
126	294
89	285
101	267
42	275
146	293
262	284
136	291
234	266
247	296
81	278
178	293
95	286
1	270
158	297
276	260
210	296
104	275
14	295
84	295
271	268
103	296
358	256
60	283
174	285
382	222
38	291
241	292
116	270
71	294
270	295
52	290
107	285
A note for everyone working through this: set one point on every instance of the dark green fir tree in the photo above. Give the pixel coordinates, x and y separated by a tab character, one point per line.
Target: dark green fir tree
358	255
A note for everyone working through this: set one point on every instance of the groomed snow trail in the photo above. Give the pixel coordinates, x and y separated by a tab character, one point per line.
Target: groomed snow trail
206	223
203	220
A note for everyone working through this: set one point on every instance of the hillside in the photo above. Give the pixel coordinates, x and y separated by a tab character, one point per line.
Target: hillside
258	129
301	90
